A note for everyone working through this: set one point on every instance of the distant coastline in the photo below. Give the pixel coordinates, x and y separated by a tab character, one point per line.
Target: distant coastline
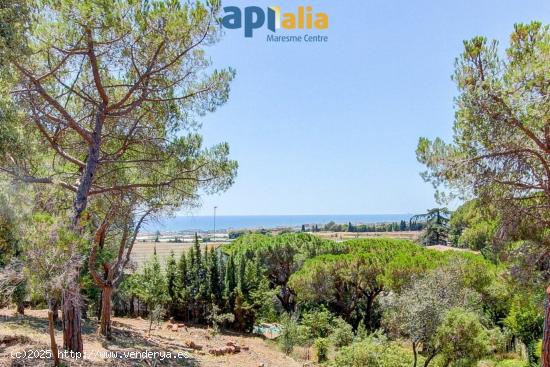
238	222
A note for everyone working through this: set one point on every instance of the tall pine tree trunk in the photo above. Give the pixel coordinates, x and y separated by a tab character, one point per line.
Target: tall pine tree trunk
546	339
53	344
72	332
105	320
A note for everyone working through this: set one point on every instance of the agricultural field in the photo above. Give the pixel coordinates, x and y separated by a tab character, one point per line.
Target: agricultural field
342	236
144	250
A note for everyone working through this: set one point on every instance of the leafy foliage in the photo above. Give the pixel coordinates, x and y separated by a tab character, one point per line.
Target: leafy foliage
462	338
375	352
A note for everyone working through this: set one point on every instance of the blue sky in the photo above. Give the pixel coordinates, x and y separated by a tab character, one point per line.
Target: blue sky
331	128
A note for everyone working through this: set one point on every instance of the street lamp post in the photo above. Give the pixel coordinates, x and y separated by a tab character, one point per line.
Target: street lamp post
214	237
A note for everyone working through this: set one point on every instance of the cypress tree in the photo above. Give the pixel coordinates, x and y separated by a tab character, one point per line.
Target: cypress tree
197	252
192	270
221	273
241	283
214	277
171	280
182	278
230	283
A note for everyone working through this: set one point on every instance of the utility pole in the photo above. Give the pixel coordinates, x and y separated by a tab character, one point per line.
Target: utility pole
214	237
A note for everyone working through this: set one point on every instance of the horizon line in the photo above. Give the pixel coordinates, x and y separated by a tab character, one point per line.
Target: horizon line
281	215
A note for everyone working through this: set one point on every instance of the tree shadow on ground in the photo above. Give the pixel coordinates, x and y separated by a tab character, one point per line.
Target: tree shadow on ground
125	340
40	324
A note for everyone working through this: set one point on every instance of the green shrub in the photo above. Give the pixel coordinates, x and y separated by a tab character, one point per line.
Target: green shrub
361	332
525	320
462	338
289	334
319	323
373	353
342	333
321	346
511	363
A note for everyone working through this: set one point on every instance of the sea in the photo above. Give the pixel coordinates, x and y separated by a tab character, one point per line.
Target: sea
235	222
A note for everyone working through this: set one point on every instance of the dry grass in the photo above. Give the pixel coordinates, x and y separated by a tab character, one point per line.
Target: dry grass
449	248
131	335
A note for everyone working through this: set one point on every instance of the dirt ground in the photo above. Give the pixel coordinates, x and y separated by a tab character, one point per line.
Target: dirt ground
29	333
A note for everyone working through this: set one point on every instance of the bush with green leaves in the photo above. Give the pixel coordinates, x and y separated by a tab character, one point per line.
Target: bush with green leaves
510	363
420	309
152	290
290	335
321	346
342	333
319	322
373	352
525	320
156	315
19	296
361	331
219	319
461	339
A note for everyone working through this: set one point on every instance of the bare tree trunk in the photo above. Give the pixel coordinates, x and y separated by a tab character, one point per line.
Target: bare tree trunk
72	332
131	310
368	311
21	308
105	320
429	358
100	304
286	297
53	344
545	355
53	307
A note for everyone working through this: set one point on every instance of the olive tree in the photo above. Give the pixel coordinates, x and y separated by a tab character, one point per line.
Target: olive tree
419	310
